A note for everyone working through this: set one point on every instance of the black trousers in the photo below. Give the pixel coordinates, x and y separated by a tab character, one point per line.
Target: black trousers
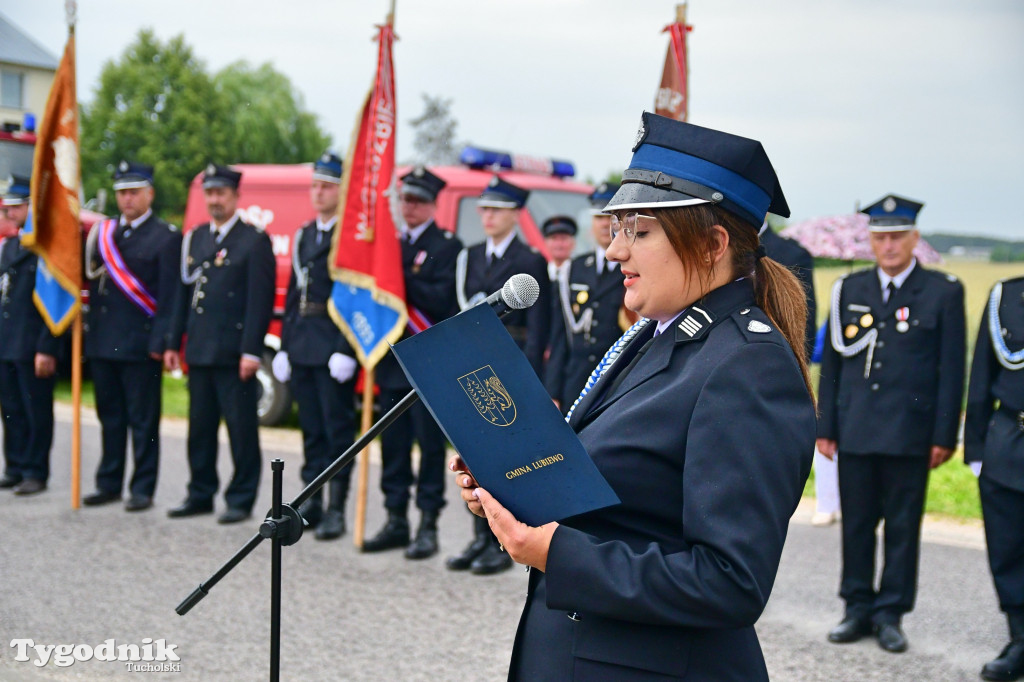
872	488
128	397
215	392
396	454
328	419
26	405
1003	509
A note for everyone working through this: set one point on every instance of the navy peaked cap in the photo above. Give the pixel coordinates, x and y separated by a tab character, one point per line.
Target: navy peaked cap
500	193
602	194
681	164
421	183
221	176
559	224
131	175
18	190
328	168
892	213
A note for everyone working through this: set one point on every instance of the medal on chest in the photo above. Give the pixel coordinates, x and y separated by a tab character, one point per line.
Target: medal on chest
219	258
902	315
418	261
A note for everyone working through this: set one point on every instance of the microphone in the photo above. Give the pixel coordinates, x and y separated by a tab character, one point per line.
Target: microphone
520	291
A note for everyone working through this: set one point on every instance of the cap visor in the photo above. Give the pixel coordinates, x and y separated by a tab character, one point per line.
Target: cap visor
905	227
218	182
14	200
634	195
492	202
418	192
132	183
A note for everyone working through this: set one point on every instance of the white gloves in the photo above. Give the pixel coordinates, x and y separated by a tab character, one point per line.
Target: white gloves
342	367
975	468
281	367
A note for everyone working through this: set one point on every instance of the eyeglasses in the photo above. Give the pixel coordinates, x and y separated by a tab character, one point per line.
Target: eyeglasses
628	225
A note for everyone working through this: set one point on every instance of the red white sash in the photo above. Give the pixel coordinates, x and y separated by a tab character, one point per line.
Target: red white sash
124	279
418	321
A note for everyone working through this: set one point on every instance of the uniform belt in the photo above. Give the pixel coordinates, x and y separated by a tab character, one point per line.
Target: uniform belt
517	332
308	309
1016	415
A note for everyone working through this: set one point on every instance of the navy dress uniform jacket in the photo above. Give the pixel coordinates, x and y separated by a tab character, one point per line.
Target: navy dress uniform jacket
911	396
116	328
308	334
800	263
708	442
429	268
227	311
530	328
574	355
23	333
996	437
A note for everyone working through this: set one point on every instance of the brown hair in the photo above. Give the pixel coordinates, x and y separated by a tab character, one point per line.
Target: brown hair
777	291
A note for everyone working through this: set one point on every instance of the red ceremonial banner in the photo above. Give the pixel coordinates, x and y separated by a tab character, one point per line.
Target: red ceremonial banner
368	300
671	100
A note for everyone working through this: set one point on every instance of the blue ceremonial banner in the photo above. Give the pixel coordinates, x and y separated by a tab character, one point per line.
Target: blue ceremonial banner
494	410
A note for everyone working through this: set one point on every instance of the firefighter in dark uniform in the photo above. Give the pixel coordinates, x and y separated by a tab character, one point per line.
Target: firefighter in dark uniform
28	355
482	269
225	303
428	264
316	358
132	263
994	448
588	314
892	379
560	240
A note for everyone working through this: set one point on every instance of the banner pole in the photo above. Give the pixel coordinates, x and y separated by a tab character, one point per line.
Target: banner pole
681	19
364	460
76	412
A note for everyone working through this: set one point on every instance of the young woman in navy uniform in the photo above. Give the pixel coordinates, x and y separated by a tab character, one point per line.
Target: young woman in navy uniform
705	431
225	303
126	333
428	264
315	357
588	316
892	381
28	356
480	270
994	448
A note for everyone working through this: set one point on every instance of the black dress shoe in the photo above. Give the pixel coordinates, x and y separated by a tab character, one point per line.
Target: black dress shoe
850	630
312	510
891	638
29	486
332	526
394	534
9	481
462	562
138	503
100	497
233	515
492	560
1009	665
191	508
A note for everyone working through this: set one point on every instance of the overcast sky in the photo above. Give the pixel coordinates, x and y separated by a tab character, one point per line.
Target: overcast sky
852	99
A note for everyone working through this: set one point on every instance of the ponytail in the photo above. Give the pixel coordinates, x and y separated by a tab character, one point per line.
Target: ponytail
780	295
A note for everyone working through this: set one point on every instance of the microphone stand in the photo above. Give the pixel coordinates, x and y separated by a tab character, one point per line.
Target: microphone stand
283	527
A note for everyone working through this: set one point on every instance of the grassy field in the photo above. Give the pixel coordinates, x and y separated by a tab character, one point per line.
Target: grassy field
952	488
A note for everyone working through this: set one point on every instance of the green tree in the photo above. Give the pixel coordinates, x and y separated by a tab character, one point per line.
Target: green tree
268	122
157	105
435	142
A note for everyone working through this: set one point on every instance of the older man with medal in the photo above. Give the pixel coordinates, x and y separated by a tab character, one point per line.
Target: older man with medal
225	304
891	386
994	449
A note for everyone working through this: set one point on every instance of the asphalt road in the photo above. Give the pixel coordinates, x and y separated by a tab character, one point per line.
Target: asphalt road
86	576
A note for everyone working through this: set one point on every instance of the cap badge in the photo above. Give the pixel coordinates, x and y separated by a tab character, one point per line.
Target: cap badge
211	169
418	171
494	182
758	327
889	205
640	135
603	188
123	166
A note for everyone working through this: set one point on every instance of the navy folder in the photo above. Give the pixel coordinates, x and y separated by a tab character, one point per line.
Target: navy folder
494	410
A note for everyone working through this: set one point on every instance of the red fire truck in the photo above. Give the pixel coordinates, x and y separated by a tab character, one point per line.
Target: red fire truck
276	198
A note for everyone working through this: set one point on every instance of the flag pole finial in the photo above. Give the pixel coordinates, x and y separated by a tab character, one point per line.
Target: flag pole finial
71	12
681	13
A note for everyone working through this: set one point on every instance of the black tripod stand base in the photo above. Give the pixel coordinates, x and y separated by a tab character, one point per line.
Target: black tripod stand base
287	528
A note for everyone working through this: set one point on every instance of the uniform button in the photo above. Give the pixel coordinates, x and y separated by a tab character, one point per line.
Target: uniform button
103	309
913	322
238	325
231	294
874	387
6	315
881	325
596	304
201	294
878	365
880	344
206	263
199	310
203	280
591	358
